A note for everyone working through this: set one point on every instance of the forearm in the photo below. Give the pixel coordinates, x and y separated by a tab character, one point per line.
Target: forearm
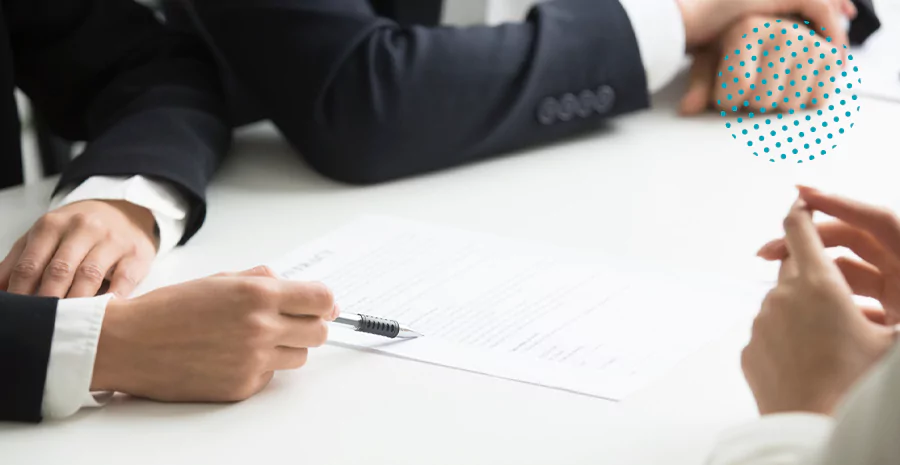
394	101
146	99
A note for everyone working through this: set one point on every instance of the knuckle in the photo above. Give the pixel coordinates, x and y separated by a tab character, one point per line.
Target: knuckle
127	276
302	357
321	295
319	334
257	292
259	328
91	272
26	268
885	215
49	222
58	269
790	221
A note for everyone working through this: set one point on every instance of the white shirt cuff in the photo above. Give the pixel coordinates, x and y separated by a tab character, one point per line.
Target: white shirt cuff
72	352
659	30
168	207
773	439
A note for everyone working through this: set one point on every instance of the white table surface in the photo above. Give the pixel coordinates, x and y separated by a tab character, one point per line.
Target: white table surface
651	190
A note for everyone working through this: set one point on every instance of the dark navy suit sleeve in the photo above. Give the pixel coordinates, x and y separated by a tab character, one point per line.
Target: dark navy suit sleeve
365	99
865	23
147	99
26	331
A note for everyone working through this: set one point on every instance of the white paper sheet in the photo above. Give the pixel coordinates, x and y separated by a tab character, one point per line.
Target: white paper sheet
516	310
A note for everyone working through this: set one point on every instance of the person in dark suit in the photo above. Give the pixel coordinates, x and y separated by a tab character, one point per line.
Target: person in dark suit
367	99
149	103
217	339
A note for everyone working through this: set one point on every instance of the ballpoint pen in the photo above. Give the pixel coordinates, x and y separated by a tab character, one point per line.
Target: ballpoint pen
374	325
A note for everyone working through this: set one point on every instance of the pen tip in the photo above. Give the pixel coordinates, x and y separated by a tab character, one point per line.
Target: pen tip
406	333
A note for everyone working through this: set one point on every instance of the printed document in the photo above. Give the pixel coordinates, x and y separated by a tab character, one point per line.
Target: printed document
514	309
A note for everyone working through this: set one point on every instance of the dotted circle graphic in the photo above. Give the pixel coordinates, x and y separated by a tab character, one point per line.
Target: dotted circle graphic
788	93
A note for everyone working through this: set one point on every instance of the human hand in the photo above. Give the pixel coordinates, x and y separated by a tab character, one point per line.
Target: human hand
711	69
810	342
217	339
706	20
870	232
71	250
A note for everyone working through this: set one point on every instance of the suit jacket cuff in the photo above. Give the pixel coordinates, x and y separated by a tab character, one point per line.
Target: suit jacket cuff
177	144
26	331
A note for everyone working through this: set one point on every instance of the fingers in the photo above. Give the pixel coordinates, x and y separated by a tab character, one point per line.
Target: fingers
700	87
826	18
878	221
306	298
875	315
6	266
803	241
302	331
93	270
287	358
849	9
60	271
836	234
41	244
864	279
128	273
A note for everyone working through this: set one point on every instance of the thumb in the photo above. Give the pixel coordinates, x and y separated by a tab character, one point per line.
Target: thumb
701	82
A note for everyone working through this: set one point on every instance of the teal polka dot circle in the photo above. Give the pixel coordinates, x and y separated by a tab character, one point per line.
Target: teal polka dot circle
804	78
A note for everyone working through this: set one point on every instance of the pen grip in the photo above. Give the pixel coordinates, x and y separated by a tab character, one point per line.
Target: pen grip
379	326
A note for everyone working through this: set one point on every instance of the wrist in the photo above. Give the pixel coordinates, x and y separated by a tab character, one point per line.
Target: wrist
109	363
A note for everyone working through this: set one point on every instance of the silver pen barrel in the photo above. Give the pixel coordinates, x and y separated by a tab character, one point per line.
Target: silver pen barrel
375	325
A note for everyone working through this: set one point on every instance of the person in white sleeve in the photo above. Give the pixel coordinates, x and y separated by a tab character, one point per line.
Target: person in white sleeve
218	339
825	372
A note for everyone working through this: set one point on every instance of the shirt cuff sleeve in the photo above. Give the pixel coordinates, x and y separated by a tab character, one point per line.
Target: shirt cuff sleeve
781	439
72	353
660	36
168	206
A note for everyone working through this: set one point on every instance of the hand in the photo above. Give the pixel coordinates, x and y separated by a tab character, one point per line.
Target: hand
873	234
710	69
810	342
71	250
216	339
706	20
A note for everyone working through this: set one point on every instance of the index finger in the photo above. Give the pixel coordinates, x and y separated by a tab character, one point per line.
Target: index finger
802	239
306	298
878	221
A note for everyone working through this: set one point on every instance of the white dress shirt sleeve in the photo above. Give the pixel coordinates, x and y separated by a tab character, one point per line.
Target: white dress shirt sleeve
660	35
167	205
72	352
866	430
